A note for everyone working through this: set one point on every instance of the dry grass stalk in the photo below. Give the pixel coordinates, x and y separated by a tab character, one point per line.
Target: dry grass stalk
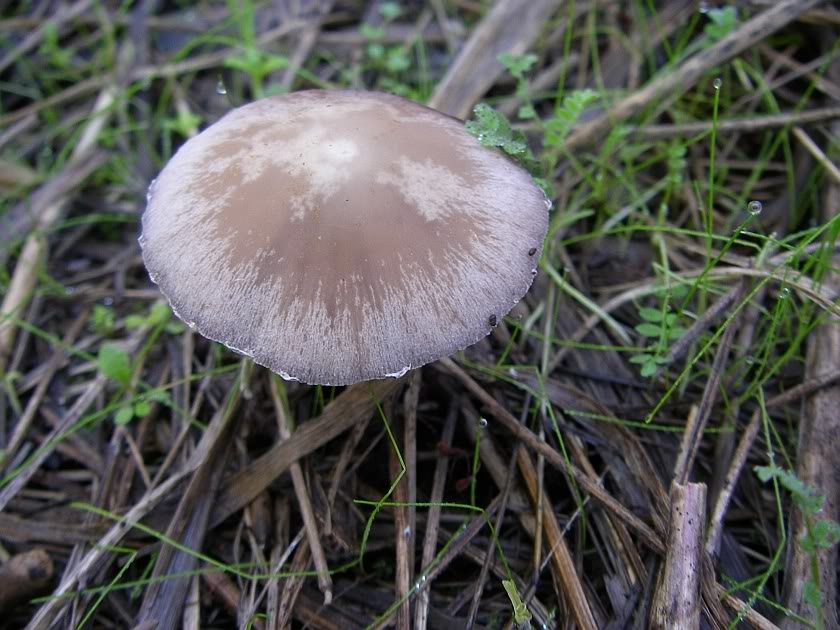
313	537
676	603
816	455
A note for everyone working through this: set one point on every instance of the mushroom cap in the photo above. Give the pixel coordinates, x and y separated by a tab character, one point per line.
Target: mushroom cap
341	236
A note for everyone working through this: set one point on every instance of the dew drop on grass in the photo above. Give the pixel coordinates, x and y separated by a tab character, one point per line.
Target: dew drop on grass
754	207
784	293
220	87
717	83
482	423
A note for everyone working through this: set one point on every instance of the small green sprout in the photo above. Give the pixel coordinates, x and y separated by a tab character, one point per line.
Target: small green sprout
721	23
115	363
521	614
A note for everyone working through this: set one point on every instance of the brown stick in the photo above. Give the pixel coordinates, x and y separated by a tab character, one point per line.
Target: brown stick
676	603
561	557
754	124
511	26
694	429
421	613
816	461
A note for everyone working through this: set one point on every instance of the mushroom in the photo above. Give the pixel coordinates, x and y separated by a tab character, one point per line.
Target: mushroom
342	236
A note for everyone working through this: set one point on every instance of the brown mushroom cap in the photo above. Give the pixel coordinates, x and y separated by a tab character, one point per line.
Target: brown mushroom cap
342	236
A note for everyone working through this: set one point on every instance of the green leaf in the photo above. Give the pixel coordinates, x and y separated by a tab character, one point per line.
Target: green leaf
721	23
142	408
102	319
183	123
649	330
805	498
159	314
397	60
133	322
390	11
492	129
517	65
527	112
566	115
175	327
115	363
650	314
641	358
825	534
648	369
124	415
675	333
679	290
376	51
161	397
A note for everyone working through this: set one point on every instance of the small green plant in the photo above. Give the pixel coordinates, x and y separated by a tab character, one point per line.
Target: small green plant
391	61
251	60
721	23
662	326
115	363
51	48
102	320
159	315
565	115
518	66
182	124
521	614
820	533
493	130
